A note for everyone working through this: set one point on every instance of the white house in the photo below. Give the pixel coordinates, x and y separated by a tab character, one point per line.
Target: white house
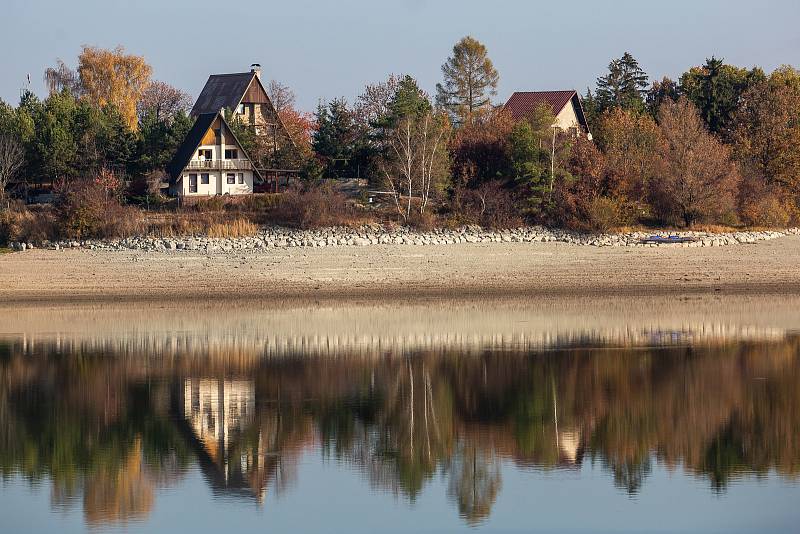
211	161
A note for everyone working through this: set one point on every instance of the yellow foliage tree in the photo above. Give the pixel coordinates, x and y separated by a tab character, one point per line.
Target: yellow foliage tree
114	77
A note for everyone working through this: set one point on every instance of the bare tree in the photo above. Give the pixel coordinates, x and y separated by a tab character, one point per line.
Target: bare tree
62	77
163	101
12	157
373	103
281	95
417	163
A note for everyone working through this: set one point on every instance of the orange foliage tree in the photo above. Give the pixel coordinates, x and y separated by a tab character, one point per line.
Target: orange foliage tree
114	77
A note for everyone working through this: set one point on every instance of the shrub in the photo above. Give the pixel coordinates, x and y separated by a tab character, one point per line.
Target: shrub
90	208
313	206
491	205
761	206
18	223
603	214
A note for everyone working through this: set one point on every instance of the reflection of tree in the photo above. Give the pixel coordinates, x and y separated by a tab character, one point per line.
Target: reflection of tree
474	481
100	431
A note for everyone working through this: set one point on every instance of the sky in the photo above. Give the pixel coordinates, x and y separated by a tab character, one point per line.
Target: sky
330	49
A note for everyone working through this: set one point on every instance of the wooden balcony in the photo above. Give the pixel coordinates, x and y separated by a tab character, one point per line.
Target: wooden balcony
220	165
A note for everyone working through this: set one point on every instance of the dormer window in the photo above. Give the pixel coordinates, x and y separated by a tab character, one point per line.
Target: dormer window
240	109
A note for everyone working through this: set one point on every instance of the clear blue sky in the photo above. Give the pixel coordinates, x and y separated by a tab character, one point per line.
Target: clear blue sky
332	48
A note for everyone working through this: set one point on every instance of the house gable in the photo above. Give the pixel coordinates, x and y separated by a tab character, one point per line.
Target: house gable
565	105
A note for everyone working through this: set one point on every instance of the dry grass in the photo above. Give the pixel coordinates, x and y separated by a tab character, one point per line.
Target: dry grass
237	228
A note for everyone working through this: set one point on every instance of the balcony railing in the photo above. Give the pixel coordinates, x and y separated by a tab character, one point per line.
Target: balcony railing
220	165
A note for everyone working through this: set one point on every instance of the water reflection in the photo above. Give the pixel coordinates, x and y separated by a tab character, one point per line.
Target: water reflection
107	423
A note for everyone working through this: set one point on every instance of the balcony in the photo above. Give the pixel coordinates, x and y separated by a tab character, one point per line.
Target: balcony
220	165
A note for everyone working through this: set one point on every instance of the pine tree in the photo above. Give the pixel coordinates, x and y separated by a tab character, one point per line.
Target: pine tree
623	87
470	80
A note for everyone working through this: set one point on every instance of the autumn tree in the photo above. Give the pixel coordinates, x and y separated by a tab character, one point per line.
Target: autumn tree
629	141
481	151
470	80
623	87
163	102
697	179
299	125
716	90
766	136
114	77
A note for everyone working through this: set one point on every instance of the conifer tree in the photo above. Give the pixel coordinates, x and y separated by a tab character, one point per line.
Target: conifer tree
470	80
623	87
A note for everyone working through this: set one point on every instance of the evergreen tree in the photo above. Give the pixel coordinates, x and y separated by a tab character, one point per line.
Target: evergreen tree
336	139
660	92
716	90
470	80
623	87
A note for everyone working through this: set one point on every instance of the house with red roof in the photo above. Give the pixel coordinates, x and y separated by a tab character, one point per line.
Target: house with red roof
566	107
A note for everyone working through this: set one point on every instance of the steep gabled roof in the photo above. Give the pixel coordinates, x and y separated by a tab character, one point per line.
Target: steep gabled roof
222	91
522	103
185	152
192	141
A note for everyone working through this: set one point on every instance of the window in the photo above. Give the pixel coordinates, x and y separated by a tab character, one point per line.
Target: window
231	153
240	111
241	177
204	178
573	131
231	178
193	183
205	154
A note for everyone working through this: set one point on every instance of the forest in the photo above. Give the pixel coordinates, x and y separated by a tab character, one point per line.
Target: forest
718	147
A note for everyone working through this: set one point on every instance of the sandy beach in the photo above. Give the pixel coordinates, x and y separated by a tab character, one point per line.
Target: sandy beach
400	271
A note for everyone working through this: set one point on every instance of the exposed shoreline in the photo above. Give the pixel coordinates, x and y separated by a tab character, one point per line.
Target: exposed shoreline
391	273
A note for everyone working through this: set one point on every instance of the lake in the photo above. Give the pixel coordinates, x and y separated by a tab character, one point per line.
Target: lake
632	414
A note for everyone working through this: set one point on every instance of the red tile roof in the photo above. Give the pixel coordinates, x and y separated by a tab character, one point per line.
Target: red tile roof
522	103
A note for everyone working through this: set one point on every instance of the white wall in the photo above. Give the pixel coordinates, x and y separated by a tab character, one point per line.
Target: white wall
217	182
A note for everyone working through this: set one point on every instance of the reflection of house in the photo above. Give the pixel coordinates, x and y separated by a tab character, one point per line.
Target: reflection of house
211	161
220	415
565	105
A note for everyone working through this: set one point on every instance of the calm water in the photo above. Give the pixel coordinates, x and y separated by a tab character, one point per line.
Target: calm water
668	415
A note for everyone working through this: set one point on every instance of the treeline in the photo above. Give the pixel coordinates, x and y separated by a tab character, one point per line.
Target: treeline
721	145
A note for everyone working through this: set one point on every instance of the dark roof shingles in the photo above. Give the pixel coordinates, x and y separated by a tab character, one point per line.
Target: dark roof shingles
190	143
523	103
222	91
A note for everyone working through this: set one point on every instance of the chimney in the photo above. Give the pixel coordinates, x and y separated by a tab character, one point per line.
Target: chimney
256	67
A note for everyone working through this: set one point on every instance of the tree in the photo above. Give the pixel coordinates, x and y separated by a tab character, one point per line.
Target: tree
629	141
660	92
114	77
12	158
163	102
373	104
336	138
417	164
281	96
623	87
698	181
481	151
537	152
716	89
470	80
766	130
61	77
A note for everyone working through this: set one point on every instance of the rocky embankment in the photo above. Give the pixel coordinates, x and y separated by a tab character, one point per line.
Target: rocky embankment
276	237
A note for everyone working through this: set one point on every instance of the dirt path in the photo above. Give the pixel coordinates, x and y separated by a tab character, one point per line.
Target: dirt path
401	271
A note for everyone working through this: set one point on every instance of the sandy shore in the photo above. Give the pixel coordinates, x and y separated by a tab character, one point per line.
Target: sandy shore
400	271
